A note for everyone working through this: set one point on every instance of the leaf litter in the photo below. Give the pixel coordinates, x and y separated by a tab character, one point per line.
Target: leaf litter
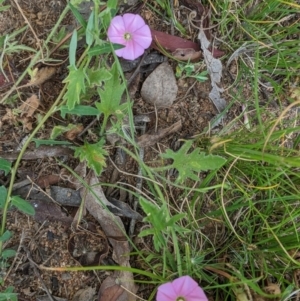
26	109
113	227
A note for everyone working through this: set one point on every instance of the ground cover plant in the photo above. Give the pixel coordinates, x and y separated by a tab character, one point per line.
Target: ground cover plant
149	150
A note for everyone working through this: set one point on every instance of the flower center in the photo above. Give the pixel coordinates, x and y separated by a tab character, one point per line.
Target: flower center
180	298
127	36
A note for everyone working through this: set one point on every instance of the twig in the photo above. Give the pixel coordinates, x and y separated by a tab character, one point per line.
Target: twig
36	272
15	258
31	28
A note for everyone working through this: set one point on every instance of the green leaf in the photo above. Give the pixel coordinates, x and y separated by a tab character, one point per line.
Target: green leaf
111	93
22	205
76	86
60	129
93	154
96	77
79	110
201	77
89	33
105	48
174	219
154	214
3	194
77	15
58	37
39	142
73	48
6	236
147	232
8	295
5	165
188	164
8	253
112	4
5	7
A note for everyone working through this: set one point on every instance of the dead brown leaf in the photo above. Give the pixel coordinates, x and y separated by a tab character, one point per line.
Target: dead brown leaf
9	116
40	75
111	291
73	133
186	54
171	43
272	289
88	248
113	228
29	107
85	294
47	210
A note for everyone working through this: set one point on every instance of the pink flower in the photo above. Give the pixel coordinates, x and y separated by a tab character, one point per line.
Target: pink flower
131	31
183	288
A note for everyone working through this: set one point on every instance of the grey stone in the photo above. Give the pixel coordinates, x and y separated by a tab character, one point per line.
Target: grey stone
160	88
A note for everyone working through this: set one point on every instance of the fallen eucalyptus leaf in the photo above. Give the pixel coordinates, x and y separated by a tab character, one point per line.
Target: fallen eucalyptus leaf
214	67
113	228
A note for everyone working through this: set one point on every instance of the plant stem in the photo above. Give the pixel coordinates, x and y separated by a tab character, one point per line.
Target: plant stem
103	126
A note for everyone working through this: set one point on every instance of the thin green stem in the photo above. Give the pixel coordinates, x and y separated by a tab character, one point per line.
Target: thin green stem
105	268
104	123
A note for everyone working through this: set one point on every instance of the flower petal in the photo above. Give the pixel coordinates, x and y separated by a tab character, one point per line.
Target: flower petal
196	295
132	50
143	36
132	22
184	285
165	292
118	40
116	27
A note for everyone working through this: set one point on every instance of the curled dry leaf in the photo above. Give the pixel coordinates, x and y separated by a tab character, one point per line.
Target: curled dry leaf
88	248
29	106
214	67
272	289
186	54
110	290
74	132
9	117
40	75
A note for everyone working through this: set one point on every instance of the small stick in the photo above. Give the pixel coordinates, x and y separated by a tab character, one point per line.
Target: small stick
37	273
27	21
